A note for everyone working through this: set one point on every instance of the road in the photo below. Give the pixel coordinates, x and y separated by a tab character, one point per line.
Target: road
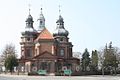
25	77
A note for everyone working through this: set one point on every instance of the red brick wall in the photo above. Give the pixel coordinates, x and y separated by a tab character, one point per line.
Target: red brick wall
45	47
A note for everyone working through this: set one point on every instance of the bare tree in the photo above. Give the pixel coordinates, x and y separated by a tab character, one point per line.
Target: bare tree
8	50
108	58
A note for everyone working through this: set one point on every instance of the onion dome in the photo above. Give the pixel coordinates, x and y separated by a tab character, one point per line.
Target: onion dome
60	30
29	29
29	24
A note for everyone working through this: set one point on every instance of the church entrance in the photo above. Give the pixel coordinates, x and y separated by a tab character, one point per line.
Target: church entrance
45	66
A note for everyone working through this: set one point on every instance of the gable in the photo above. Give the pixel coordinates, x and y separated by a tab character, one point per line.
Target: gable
45	34
44	55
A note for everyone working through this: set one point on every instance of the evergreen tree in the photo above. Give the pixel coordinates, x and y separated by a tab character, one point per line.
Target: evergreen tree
85	60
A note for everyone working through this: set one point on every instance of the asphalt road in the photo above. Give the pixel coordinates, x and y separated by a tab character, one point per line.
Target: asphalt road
25	77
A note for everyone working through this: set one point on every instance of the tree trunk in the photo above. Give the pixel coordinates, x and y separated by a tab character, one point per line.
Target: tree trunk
103	71
115	71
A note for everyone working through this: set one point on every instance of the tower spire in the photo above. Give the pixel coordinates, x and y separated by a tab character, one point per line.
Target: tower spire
41	10
59	10
41	21
29	8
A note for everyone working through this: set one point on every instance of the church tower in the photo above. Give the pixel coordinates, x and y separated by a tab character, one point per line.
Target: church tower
27	39
64	47
41	21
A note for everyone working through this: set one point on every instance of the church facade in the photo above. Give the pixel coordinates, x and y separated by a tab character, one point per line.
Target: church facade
41	50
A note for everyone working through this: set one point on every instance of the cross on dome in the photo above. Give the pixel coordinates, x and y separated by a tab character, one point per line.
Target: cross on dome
59	10
29	5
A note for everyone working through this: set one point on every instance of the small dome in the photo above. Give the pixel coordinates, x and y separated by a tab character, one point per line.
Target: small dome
29	19
29	25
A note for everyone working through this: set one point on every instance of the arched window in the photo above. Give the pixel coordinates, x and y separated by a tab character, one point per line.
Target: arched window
41	22
29	52
62	52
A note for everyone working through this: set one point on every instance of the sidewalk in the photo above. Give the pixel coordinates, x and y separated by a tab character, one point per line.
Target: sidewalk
26	77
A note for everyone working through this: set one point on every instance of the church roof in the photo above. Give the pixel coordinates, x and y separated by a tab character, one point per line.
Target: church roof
44	34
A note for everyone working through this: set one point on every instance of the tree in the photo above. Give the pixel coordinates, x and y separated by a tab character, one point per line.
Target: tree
94	60
101	60
85	60
109	58
110	61
9	57
11	62
8	50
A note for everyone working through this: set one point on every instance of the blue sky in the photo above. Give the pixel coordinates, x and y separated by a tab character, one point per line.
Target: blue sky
91	23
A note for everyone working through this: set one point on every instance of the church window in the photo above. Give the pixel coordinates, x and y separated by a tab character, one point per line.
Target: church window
62	52
29	52
40	22
36	52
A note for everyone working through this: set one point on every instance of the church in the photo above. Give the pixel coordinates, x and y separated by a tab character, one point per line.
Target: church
41	50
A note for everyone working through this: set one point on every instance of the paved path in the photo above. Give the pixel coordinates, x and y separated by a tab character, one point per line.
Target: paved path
25	77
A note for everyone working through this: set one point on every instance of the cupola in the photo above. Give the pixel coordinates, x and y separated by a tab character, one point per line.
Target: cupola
29	29
41	21
60	30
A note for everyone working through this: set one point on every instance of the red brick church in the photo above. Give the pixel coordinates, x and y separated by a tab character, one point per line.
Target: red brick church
42	50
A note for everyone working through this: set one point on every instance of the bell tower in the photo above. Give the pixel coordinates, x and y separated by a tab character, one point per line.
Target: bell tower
63	46
41	21
27	39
